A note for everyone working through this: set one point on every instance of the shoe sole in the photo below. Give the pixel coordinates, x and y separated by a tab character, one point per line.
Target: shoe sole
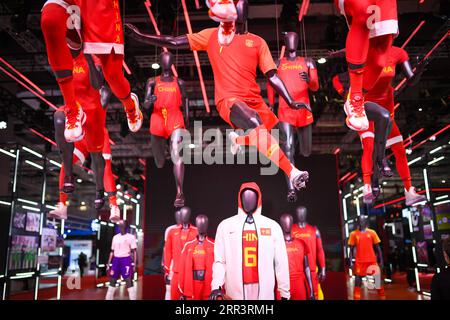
410	203
347	121
300	181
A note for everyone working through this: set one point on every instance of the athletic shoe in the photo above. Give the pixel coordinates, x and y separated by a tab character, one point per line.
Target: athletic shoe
356	114
298	178
292	196
384	169
99	201
134	117
74	124
179	200
368	196
114	215
375	190
59	213
234	148
69	184
222	10
411	197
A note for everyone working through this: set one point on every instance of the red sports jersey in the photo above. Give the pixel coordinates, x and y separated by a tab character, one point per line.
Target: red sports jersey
289	71
296	250
176	239
314	243
87	96
168	95
383	87
364	242
250	256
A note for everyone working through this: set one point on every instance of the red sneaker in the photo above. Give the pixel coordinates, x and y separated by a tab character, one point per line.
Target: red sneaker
75	120
356	115
134	116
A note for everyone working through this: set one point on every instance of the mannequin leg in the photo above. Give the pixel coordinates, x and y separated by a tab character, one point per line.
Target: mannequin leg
99	169
305	140
176	145
288	146
158	150
111	289
357	289
65	149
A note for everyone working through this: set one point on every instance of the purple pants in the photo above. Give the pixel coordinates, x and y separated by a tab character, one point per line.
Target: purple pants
121	267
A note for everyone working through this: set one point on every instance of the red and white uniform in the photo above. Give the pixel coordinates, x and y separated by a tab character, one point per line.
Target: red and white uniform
316	253
167	116
365	255
176	239
196	269
289	71
234	67
383	14
166	233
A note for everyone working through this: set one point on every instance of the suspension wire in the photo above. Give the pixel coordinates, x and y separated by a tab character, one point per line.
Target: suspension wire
277	27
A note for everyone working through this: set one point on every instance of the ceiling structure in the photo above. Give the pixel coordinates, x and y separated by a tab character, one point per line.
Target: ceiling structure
423	106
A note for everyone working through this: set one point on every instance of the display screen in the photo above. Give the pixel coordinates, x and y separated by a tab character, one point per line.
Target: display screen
443	217
33	222
23	252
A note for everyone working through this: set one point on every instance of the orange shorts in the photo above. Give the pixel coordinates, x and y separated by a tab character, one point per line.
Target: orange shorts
164	122
296	118
360	268
267	116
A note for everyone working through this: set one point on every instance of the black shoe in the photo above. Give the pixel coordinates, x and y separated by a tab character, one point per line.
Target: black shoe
69	184
99	199
292	196
179	200
384	168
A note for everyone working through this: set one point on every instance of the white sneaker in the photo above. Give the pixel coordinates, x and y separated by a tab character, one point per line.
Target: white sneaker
114	213
411	197
356	114
222	10
135	117
59	213
234	148
368	196
74	125
299	178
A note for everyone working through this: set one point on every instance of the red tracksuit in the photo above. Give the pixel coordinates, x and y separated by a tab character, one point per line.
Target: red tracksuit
196	269
166	116
175	242
316	253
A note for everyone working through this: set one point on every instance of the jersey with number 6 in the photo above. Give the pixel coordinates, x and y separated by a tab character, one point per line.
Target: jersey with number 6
250	255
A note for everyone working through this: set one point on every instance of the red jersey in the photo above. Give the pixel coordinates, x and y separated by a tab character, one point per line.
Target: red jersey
314	243
250	256
383	87
199	257
296	250
168	94
176	239
87	96
289	71
364	242
234	66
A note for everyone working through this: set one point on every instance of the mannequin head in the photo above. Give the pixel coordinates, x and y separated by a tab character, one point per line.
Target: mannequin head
249	200
202	222
242	12
363	222
185	215
166	60
286	222
178	216
122	226
302	214
291	41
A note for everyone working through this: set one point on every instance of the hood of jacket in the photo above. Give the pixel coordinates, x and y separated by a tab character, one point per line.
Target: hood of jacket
252	186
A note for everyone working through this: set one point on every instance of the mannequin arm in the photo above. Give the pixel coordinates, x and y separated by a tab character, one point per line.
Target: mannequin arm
149	98
180	42
95	73
320	256
337	85
111	255
185	101
270	96
313	83
379	255
352	254
414	75
134	255
281	263
336	53
219	265
309	278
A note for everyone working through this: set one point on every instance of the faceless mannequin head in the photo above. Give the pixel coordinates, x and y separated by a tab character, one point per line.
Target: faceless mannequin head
202	222
249	200
286	222
166	60
363	222
242	11
178	217
291	41
302	214
122	226
185	215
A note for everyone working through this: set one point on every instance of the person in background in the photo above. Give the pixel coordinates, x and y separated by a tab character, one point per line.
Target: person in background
82	262
440	285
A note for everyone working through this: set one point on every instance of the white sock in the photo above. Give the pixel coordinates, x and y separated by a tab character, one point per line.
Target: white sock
110	293
132	293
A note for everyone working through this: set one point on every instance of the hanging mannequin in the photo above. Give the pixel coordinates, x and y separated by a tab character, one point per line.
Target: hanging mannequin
300	76
121	260
311	235
238	97
196	263
165	94
166	234
364	246
250	253
176	239
301	287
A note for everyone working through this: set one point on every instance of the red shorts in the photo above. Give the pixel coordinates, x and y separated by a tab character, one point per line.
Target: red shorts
201	291
298	288
296	118
267	116
394	137
383	14
164	122
360	268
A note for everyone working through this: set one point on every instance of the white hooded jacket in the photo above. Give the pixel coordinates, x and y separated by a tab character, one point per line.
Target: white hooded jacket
272	255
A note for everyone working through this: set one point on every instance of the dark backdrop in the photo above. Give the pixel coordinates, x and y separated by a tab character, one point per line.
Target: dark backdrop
212	190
